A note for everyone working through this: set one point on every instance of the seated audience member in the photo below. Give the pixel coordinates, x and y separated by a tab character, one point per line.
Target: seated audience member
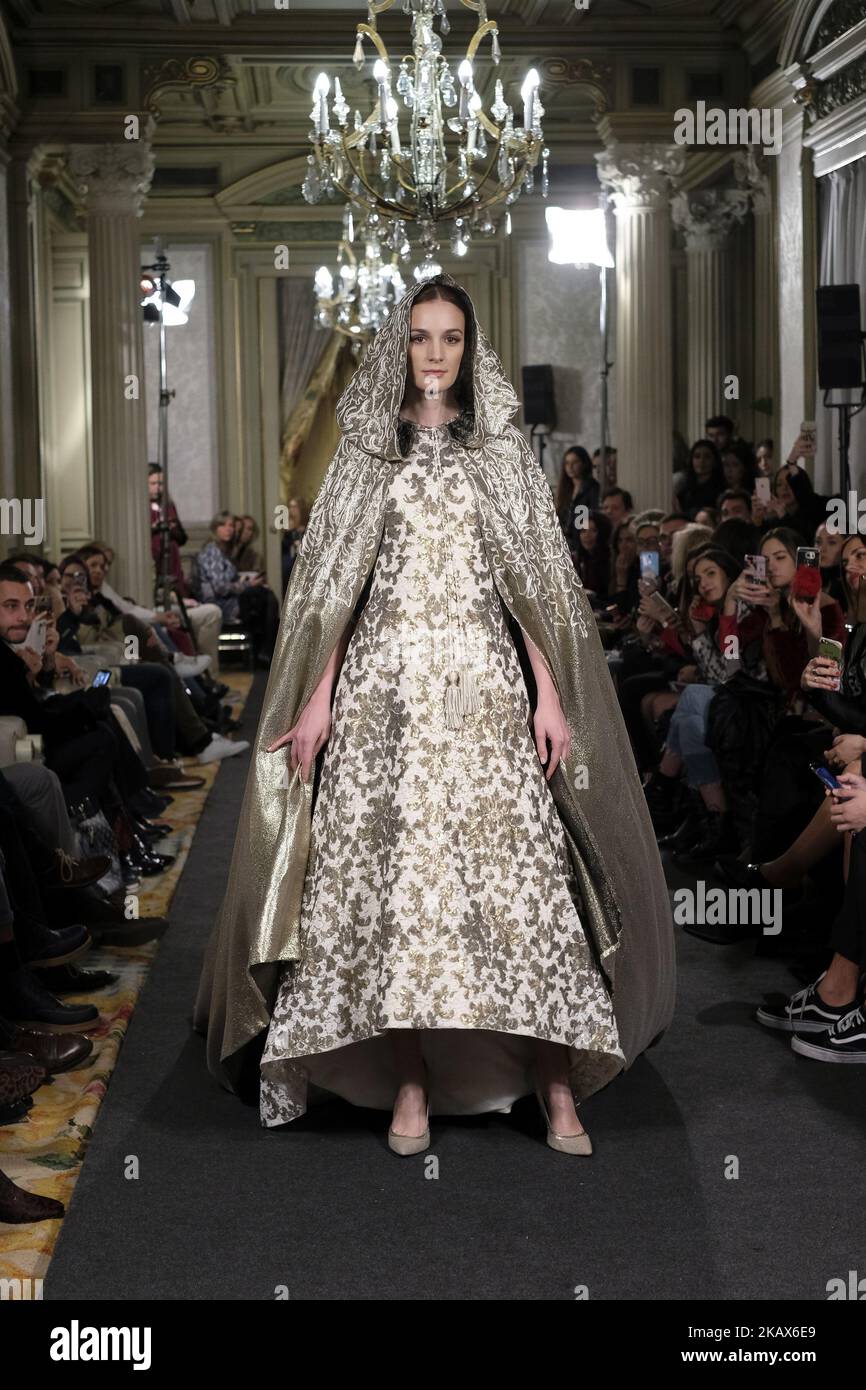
290	544
248	601
592	558
829	544
707	516
702	482
668	528
617	505
735	504
623	592
576	487
794	503
720	430
739	537
764	465
175	537
738	466
246	557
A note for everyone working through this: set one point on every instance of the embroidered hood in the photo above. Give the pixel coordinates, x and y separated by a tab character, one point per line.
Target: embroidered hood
369	408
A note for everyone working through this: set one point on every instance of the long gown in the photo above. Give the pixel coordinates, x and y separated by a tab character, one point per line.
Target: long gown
438	892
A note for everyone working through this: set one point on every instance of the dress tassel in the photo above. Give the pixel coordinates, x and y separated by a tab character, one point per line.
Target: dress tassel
470	703
453	702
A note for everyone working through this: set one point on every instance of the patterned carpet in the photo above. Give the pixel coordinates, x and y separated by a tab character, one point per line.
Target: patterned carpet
44	1153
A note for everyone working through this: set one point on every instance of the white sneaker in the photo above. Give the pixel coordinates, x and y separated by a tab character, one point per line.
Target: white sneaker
189	666
221	748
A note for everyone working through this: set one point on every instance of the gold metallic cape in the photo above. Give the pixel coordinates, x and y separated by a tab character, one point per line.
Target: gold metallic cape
623	901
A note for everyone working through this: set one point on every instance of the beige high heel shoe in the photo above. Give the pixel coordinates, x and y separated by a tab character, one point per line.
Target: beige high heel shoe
411	1143
563	1143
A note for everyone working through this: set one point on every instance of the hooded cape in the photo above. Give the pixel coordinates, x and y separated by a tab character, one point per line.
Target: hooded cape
622	896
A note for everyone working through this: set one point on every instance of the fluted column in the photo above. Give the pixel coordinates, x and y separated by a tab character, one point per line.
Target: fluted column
706	219
752	174
640	179
7	439
115	179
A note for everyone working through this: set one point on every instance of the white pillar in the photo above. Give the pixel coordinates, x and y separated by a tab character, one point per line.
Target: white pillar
7	438
753	174
640	179
115	179
796	279
706	219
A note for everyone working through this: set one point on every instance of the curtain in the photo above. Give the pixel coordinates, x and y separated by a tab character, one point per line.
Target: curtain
842	262
300	341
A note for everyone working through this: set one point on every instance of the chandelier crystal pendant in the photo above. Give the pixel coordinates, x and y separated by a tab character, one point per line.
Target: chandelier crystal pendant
442	168
367	284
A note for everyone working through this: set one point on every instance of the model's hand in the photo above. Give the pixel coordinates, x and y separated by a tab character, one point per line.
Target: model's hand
308	735
549	724
848	805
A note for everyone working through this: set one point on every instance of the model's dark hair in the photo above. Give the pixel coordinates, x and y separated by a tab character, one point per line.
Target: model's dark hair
462	426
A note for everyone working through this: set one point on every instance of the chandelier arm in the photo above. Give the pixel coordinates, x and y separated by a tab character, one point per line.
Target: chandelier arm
360	172
479	35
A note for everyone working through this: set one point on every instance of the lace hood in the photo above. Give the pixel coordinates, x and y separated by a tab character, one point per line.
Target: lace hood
368	410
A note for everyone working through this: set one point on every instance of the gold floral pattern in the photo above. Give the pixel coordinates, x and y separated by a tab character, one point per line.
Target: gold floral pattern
439	891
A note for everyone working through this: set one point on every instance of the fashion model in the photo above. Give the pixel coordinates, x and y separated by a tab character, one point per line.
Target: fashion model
445	892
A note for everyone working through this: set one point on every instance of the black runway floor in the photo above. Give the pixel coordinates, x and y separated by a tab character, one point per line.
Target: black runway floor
321	1209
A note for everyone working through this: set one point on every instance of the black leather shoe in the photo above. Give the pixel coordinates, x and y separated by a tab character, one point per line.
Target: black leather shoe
24	1000
152	830
15	1111
69	979
41	946
18	1207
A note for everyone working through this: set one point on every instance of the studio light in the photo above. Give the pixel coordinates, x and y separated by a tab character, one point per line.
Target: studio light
176	300
578	237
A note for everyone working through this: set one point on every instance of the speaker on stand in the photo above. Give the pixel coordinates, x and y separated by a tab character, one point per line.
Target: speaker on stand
841	363
539	404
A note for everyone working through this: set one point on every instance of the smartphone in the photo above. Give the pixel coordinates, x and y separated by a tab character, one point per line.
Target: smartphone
806	555
660	609
762	489
831	649
825	776
755	568
650	563
101	678
35	638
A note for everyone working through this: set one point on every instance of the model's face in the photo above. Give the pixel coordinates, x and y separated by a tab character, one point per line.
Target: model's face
781	565
614	509
16	611
735	509
829	546
703	461
712	582
436	340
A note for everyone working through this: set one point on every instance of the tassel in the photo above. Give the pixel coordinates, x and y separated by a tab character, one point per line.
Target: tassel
453	713
469	704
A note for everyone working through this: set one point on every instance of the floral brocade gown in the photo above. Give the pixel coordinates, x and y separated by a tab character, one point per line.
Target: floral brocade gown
438	891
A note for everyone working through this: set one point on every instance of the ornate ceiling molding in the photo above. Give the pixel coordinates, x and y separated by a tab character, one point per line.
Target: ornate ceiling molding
208	78
582	72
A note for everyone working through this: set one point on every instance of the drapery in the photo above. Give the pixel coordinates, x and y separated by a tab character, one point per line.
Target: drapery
300	341
843	262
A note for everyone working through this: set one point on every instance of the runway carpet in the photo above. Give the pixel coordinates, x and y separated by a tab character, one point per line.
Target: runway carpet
45	1153
724	1167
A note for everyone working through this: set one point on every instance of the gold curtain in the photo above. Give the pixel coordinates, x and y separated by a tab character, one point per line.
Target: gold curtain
311	432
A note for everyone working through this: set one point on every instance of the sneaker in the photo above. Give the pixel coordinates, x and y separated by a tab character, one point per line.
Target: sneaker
221	748
804	1012
190	666
844	1042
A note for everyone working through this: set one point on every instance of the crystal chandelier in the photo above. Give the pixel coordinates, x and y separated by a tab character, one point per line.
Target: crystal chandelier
367	284
410	179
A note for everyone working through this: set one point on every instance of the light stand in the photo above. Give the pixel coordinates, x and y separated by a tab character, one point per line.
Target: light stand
154	307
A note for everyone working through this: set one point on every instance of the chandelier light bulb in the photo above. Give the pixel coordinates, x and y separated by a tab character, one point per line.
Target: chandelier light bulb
324	283
322	85
527	91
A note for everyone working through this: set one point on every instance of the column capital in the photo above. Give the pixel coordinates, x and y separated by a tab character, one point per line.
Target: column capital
750	172
640	175
707	217
114	177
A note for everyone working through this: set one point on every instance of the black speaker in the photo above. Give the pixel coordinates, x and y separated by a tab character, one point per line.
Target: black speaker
539	402
840	362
